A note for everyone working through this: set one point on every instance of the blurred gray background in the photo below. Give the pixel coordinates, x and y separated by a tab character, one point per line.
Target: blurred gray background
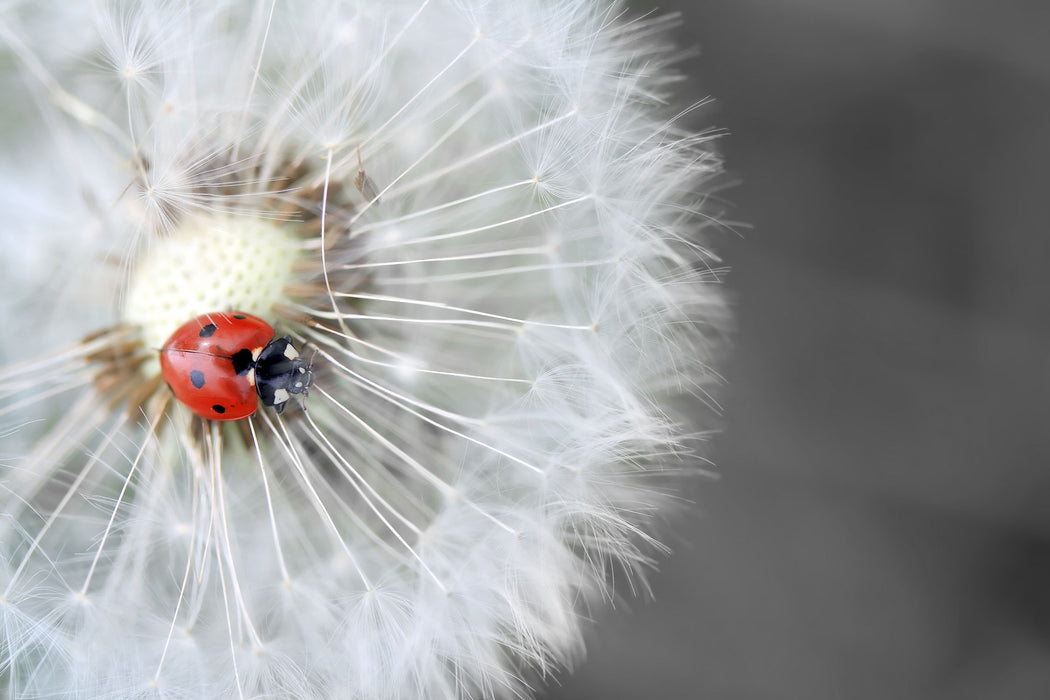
882	525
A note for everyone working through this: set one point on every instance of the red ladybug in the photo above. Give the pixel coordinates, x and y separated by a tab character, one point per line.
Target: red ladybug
222	364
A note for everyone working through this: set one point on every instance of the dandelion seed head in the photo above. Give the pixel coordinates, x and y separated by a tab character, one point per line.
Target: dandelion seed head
486	229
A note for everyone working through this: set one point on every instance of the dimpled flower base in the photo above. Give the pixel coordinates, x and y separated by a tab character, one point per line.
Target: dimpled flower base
209	263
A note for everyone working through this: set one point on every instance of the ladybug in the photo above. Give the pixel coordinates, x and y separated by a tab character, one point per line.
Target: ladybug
221	365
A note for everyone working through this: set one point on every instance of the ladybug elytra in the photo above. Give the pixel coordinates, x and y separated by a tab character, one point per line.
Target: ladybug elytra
221	365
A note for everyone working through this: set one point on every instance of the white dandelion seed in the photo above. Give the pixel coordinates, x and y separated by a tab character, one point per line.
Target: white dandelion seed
486	227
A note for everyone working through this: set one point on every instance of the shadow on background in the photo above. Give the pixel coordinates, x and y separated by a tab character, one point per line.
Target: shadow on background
882	525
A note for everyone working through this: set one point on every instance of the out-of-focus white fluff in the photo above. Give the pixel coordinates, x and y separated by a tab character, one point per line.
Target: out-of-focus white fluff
533	287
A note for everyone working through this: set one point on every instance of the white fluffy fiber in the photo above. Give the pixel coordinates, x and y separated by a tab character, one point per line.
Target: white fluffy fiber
491	445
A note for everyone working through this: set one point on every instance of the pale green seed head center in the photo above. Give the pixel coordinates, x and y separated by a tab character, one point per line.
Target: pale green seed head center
209	263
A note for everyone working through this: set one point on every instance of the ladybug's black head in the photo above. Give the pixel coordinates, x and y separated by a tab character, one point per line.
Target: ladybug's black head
279	373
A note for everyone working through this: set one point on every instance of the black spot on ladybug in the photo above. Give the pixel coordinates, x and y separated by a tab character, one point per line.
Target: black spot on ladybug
197	378
242	361
207	331
218	409
240	317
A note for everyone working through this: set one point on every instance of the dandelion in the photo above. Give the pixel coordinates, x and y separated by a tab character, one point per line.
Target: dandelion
484	227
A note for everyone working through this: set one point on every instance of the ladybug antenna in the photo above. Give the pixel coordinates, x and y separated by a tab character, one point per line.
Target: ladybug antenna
313	350
308	364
